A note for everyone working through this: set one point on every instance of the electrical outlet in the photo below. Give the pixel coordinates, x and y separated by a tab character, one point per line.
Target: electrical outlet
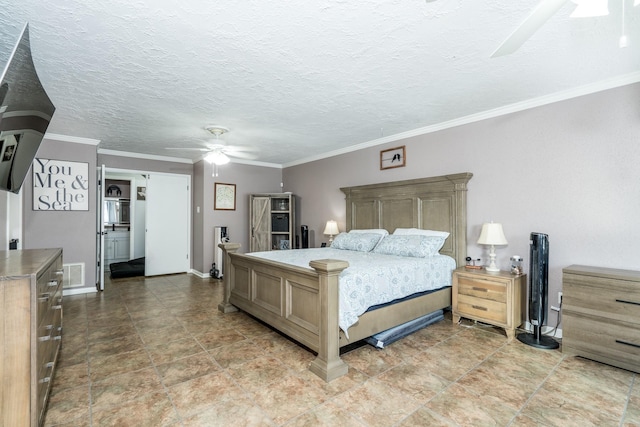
559	298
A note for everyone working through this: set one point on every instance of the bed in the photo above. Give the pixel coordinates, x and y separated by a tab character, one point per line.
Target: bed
303	302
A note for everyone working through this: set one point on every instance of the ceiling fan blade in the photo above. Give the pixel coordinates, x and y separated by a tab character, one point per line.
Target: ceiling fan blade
236	148
204	150
541	14
241	155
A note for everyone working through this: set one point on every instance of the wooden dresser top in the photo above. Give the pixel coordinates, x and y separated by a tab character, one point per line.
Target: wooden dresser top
612	273
25	262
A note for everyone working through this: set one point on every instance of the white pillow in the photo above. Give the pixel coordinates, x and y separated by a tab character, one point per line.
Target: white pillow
419	232
362	242
410	245
380	231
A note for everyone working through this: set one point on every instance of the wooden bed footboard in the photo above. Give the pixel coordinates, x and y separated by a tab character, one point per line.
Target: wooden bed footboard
301	303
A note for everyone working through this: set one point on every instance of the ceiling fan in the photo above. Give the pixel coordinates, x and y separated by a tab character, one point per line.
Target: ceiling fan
542	13
217	151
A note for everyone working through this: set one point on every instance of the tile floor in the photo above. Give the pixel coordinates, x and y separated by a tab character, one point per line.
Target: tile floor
156	352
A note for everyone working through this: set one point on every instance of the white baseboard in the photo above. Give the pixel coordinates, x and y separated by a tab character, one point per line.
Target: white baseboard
199	274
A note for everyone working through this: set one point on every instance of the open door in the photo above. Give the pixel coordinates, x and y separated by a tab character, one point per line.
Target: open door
100	231
167	219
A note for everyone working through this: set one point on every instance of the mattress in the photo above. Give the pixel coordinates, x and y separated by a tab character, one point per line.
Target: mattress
372	278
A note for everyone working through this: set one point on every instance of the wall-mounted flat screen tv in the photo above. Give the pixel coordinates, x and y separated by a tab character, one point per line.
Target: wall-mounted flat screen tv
25	113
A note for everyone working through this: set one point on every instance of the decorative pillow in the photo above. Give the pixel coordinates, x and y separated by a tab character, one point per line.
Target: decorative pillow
410	245
361	242
419	232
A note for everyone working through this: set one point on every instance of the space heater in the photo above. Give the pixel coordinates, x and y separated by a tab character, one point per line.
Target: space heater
538	292
220	235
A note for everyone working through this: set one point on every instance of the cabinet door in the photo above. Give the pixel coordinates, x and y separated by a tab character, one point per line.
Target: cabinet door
121	248
260	223
109	247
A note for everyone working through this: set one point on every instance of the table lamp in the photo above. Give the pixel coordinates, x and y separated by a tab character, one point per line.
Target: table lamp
331	229
492	235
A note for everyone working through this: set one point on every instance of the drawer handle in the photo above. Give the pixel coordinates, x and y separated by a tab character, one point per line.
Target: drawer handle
45	338
52	283
44	298
57	307
475	288
60	272
45	380
628	343
49	365
477	307
57	338
627	302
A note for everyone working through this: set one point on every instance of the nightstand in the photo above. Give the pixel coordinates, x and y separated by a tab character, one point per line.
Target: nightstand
493	298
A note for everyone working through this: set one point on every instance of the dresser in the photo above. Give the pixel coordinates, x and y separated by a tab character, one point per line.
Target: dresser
493	298
601	315
30	332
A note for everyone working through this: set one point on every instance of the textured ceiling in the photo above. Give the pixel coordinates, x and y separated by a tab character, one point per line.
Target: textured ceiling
296	80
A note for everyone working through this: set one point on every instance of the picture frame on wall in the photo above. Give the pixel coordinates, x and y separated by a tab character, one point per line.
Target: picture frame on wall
393	158
224	197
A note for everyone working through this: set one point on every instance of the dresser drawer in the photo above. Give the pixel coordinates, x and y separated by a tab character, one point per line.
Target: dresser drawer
45	302
51	278
618	301
492	290
615	343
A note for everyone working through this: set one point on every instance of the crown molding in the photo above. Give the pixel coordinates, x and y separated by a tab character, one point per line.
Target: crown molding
73	139
144	156
496	112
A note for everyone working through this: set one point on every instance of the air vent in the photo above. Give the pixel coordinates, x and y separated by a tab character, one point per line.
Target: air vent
73	275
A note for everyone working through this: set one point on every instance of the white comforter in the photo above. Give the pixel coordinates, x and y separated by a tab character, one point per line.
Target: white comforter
372	278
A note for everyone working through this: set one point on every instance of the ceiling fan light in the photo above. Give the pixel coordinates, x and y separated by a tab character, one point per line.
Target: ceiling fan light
217	158
624	41
590	8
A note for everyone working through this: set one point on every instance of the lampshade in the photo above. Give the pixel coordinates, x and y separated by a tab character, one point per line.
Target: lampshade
217	158
492	234
590	8
331	228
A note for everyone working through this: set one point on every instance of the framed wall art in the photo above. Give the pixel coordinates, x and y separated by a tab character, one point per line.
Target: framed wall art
225	197
393	158
60	185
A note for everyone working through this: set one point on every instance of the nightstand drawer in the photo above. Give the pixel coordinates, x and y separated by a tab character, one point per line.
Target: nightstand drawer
485	289
482	308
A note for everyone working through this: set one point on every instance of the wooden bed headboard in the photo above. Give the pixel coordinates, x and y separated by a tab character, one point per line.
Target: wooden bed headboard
436	203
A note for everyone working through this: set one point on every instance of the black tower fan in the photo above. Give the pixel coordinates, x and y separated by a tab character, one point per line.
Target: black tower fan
305	236
538	292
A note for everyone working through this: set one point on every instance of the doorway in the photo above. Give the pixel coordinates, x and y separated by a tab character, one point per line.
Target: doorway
156	227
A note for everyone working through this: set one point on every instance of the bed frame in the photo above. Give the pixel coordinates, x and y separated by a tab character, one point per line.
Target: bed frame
303	302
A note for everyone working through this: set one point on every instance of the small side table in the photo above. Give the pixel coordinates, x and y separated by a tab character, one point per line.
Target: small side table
493	298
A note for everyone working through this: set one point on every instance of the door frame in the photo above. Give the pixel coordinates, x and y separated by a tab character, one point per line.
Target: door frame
110	170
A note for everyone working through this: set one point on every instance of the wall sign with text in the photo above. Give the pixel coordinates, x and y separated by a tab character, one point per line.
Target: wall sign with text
60	186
